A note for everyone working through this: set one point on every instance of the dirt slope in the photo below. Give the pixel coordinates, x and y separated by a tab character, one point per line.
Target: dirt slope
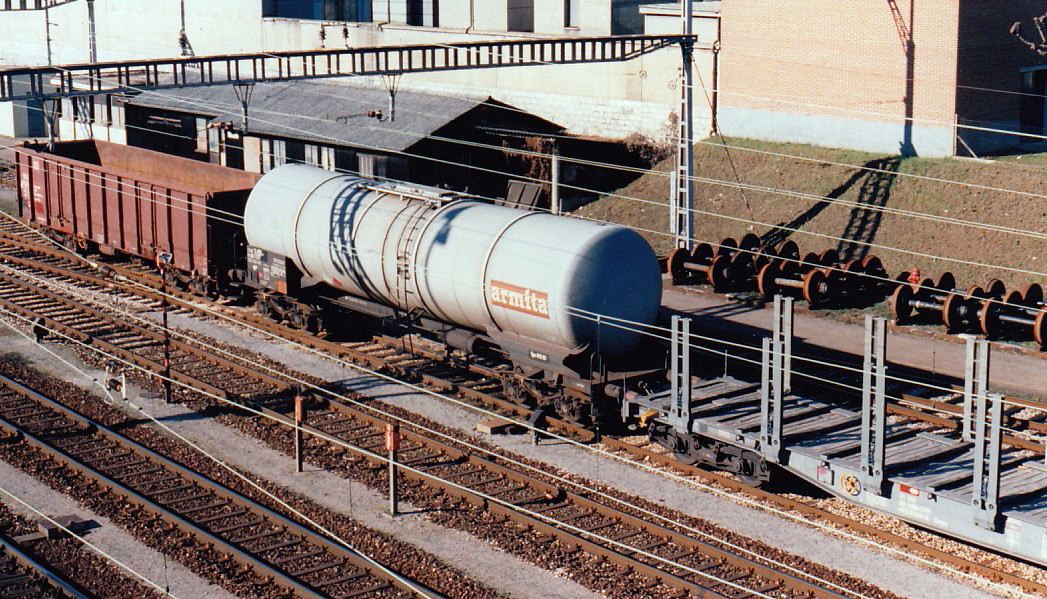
723	210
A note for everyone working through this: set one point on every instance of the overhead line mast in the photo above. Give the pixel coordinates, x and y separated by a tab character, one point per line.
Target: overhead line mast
681	211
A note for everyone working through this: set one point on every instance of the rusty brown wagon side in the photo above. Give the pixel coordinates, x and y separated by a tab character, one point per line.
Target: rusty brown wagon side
126	200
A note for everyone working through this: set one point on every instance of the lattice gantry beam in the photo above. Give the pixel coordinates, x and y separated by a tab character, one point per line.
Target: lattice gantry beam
41	83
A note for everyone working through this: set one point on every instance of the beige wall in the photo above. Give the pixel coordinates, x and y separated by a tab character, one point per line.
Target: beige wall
842	63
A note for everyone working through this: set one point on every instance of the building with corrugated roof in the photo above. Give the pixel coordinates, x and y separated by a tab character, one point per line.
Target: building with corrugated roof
349	127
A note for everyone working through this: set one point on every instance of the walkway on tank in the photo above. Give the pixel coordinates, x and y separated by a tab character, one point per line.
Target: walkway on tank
939	359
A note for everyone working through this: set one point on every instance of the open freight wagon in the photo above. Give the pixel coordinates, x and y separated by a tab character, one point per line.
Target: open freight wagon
97	195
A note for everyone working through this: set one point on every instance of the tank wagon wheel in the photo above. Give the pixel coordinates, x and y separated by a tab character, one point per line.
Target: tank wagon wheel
572	409
307	318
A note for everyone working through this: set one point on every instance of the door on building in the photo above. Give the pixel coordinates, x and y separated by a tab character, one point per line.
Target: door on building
521	15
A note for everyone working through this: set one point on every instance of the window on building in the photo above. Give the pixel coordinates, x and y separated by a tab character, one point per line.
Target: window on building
570	13
312	155
331	10
423	13
201	135
273	153
294	151
520	15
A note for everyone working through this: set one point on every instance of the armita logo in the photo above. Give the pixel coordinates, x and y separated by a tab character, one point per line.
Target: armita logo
521	299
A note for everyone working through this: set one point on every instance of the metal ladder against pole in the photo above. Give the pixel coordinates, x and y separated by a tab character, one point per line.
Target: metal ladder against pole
874	409
681	217
680	371
975	382
985	492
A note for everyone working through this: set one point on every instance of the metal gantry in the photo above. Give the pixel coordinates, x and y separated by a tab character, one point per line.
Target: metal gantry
42	83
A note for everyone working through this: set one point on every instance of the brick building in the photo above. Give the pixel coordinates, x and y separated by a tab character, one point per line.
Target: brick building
891	75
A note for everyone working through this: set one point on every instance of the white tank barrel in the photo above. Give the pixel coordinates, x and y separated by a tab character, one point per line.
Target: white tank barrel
483	267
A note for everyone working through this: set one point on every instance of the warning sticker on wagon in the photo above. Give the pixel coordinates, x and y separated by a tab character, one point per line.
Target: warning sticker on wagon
520	299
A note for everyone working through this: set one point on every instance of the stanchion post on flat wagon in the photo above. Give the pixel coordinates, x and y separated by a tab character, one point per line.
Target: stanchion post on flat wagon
975	383
392	444
299	417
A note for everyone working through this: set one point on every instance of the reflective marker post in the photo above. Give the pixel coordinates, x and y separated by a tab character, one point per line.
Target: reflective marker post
392	443
299	417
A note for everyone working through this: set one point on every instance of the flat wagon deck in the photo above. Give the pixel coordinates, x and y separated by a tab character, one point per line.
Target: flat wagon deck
963	483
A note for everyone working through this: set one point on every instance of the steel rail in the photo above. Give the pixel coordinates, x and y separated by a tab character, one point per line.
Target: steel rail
31	577
70	437
449	384
48	82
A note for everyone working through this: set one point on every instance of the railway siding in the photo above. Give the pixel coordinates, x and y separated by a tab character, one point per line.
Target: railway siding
394	358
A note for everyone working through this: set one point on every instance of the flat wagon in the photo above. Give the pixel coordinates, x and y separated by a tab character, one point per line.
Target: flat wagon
126	200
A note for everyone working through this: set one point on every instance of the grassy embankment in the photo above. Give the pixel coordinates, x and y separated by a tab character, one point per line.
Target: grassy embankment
915	241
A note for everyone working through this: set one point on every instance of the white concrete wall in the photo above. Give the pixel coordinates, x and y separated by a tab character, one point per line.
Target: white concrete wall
589	99
611	100
129	30
835	132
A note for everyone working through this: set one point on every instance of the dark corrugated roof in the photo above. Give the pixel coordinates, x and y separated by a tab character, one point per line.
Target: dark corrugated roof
309	110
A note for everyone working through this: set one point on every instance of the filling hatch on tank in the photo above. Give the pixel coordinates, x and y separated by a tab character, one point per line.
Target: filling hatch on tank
520	299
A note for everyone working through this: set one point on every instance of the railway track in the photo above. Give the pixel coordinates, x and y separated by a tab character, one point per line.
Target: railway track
277	548
473	382
22	576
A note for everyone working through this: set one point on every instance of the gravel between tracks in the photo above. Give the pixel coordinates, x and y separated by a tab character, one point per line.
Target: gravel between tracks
404	558
72	559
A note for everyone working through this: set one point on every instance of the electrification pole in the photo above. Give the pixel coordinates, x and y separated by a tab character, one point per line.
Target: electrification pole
91	38
681	216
